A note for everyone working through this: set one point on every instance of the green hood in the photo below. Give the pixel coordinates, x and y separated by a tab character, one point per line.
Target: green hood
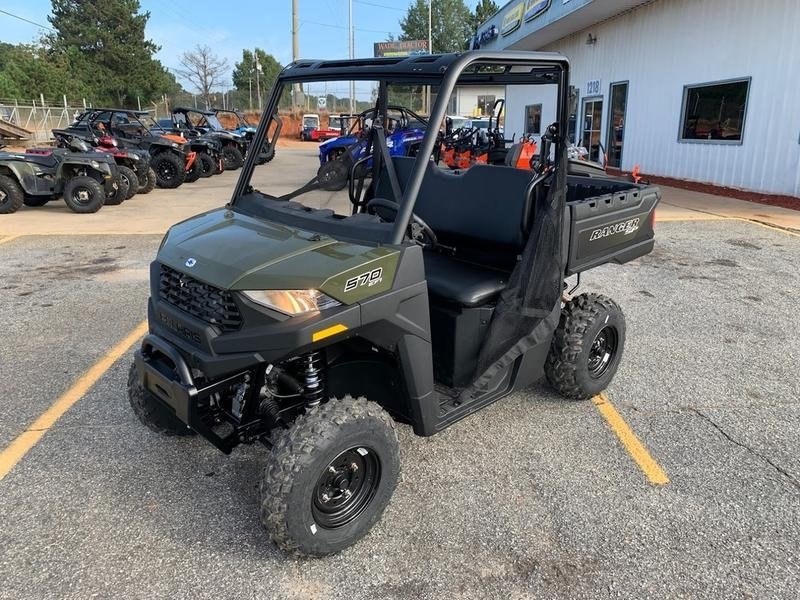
236	252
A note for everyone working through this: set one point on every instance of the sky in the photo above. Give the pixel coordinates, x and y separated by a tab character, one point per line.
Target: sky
179	25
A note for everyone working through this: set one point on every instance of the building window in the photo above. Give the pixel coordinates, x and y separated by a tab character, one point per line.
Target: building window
485	104
714	111
533	118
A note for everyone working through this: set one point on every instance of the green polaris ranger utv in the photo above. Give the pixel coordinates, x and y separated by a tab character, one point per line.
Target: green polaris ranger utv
277	319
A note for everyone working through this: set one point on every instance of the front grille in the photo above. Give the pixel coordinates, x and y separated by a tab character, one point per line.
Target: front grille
203	301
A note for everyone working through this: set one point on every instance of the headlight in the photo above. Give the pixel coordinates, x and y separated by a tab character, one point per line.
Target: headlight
175	145
95	164
390	143
292	302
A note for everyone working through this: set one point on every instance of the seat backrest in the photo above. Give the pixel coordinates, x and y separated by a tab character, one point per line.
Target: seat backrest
485	203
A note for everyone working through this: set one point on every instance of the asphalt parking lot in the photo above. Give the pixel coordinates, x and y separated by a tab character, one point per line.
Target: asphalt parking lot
534	498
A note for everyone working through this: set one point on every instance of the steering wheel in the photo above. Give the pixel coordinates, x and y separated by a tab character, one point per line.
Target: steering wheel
420	232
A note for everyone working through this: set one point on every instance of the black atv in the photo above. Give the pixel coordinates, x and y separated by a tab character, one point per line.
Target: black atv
245	128
208	149
191	121
87	181
170	159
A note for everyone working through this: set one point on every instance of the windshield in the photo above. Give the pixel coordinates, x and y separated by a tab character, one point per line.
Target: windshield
325	181
213	122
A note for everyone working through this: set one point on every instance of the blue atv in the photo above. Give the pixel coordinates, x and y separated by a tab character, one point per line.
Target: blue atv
404	132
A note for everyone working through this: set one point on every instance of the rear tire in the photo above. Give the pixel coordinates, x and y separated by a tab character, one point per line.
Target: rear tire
329	477
129	175
169	170
150	411
84	195
11	195
207	164
194	173
150	182
232	158
587	346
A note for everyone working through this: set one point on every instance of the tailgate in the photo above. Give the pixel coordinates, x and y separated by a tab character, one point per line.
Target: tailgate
615	227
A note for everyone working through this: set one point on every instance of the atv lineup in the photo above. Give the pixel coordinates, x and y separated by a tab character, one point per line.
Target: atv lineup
85	180
208	150
247	130
314	333
204	123
170	160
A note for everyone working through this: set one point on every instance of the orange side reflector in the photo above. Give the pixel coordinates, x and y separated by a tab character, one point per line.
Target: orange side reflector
328	332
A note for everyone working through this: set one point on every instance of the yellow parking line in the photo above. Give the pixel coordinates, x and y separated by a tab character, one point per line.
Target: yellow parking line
10	238
17	449
654	473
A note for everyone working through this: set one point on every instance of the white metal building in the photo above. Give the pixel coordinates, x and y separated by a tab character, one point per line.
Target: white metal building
702	90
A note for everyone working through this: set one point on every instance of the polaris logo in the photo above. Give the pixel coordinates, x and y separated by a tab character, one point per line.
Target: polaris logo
625	227
368	279
179	328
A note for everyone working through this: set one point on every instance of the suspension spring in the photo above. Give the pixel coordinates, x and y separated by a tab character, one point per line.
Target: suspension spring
313	378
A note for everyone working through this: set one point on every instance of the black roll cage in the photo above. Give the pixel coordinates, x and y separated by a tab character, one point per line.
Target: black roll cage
444	71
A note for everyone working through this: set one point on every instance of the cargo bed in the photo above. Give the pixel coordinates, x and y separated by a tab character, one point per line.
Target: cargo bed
610	220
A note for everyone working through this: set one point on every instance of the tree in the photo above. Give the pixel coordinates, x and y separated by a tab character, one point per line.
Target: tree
451	24
203	69
104	44
244	74
484	10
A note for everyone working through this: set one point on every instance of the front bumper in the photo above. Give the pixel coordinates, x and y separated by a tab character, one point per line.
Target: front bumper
164	373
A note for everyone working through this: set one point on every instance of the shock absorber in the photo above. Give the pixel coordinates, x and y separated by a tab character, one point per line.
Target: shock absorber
313	378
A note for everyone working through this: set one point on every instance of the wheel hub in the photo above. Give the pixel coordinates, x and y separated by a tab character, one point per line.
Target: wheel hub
602	351
346	487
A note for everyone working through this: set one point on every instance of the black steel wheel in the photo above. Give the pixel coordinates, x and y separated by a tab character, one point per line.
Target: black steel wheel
587	346
169	169
330	476
346	487
84	195
602	351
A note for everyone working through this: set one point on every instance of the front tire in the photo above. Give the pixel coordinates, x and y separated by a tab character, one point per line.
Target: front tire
194	173
11	195
587	346
128	175
169	170
150	182
330	477
84	195
150	411
207	165
232	158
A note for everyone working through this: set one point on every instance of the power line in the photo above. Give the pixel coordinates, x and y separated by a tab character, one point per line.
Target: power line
5	12
380	5
344	27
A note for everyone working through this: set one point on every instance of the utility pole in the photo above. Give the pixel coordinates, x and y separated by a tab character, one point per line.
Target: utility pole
430	51
295	46
258	78
352	56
